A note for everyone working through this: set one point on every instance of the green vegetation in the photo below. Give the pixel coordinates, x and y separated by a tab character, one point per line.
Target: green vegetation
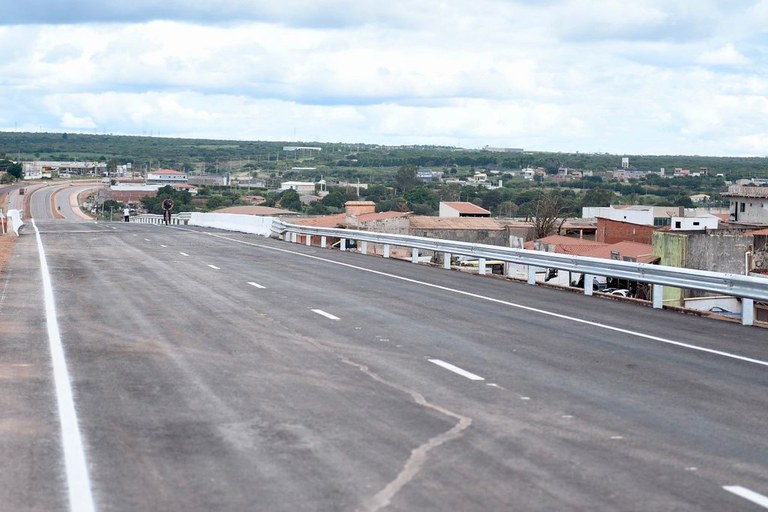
390	173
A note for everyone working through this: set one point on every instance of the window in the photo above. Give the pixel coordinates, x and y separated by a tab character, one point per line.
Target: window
695	223
615	255
742	207
677	224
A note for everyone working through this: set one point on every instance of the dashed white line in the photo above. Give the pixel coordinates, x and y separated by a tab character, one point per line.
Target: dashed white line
257	285
147	240
326	315
522	307
76	467
455	369
161	245
745	493
214	267
183	254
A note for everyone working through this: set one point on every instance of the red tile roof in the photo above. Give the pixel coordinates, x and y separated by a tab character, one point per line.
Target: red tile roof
642	253
469	208
570	245
326	221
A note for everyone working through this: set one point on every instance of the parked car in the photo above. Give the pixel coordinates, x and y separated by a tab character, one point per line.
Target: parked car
621	292
722	311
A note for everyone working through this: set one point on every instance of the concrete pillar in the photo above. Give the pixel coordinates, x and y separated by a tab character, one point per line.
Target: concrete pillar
447	260
323	242
531	274
414	255
588	282
364	247
658	296
309	239
481	269
747	311
343	244
386	250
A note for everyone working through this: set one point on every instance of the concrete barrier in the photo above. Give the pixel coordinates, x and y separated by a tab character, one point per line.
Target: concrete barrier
16	223
233	222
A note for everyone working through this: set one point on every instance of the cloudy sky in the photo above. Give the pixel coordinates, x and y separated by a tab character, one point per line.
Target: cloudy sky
618	76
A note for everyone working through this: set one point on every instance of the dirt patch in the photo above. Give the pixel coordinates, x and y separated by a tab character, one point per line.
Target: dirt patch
6	247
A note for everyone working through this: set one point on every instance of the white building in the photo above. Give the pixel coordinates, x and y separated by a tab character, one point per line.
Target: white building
749	205
166	177
302	187
677	218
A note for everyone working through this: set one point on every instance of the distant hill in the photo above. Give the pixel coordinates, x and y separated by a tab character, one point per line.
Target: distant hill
230	155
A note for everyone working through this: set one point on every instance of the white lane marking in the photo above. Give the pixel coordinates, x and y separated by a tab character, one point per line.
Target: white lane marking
76	466
161	245
507	303
745	493
257	285
183	253
326	315
146	240
214	267
455	369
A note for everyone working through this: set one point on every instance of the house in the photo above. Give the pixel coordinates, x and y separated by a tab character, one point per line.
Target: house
700	198
462	209
748	205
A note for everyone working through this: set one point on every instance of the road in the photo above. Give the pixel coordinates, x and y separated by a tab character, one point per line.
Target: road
221	371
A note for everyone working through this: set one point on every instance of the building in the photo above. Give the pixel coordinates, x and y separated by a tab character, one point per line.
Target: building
46	168
302	187
462	209
166	177
677	217
748	205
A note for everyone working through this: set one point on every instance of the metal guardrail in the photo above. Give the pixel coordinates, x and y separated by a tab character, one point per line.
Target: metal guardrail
181	218
747	288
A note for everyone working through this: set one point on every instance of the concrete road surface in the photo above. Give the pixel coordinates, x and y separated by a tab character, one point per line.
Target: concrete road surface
165	368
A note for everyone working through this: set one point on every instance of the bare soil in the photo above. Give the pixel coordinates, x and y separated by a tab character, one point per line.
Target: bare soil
6	247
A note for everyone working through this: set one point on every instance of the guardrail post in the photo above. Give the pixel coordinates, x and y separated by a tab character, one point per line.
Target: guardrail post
386	250
588	283
323	242
309	239
531	274
414	255
747	311
343	244
511	270
447	260
364	247
481	266
658	296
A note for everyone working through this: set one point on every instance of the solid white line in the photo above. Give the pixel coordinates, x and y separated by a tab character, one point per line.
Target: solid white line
507	303
78	479
214	267
326	315
456	369
745	493
183	254
257	285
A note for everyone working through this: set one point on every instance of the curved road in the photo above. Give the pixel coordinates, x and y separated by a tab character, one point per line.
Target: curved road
220	371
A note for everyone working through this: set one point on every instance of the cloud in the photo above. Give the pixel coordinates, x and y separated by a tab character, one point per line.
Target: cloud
726	55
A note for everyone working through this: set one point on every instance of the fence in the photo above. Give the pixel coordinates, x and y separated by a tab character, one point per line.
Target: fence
747	288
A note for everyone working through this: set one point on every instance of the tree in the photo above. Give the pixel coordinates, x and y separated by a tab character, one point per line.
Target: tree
405	178
547	214
16	170
290	200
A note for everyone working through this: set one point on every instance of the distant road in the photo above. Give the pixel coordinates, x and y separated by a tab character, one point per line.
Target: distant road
219	371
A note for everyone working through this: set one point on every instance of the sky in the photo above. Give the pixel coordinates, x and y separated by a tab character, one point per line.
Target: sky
674	77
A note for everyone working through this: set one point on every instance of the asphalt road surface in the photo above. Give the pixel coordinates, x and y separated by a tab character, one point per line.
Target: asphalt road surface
148	367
